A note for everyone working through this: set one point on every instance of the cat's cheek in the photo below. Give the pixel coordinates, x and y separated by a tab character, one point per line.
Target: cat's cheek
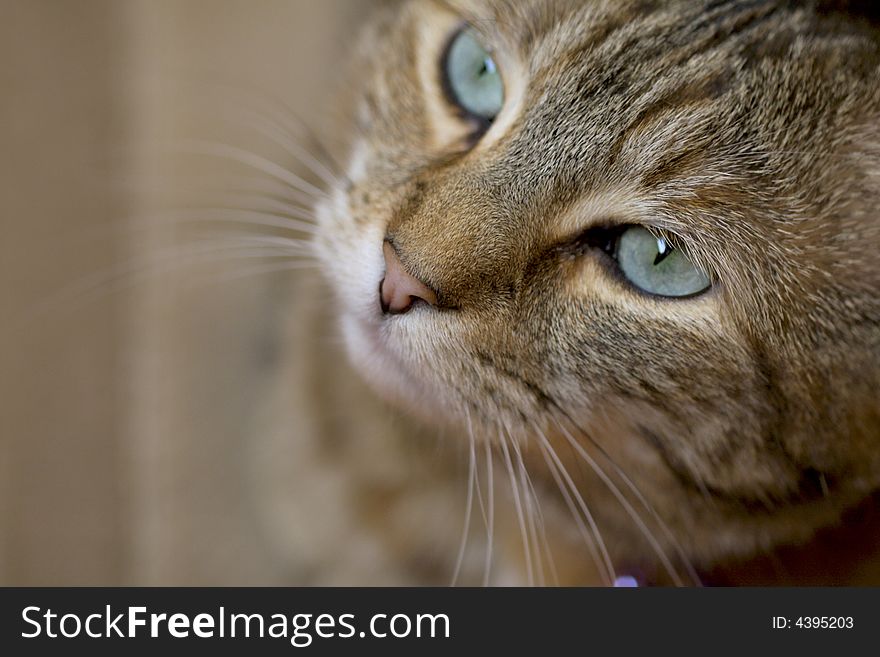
351	257
357	164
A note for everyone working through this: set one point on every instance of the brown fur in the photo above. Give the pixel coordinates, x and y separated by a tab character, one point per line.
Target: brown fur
746	418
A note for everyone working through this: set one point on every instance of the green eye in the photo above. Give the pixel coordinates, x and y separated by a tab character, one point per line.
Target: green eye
472	78
655	266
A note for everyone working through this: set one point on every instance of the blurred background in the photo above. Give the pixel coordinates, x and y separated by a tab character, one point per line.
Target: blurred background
126	386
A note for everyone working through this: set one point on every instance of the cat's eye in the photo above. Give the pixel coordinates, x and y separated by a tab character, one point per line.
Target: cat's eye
654	265
472	79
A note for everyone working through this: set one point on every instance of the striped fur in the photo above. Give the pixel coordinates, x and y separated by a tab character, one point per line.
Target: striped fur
745	418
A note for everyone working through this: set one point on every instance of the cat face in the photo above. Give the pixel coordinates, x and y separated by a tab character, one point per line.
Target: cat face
637	235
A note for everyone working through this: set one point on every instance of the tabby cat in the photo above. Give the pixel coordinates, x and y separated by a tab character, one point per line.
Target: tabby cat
610	273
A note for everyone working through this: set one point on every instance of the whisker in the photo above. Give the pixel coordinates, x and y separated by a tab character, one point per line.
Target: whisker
275	214
551	562
134	271
621	498
292	245
275	107
293	222
472	475
479	491
484	506
664	527
252	160
263	203
593	538
530	499
527	551
253	184
267	269
283	138
490	528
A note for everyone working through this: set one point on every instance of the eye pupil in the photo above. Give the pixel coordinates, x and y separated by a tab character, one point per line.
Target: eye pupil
663	251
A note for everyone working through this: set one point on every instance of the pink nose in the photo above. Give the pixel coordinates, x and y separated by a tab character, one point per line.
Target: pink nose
400	289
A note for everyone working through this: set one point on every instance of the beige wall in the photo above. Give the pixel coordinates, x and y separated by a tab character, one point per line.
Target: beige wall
123	413
63	503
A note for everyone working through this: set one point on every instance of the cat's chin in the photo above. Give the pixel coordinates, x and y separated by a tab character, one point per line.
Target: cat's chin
387	376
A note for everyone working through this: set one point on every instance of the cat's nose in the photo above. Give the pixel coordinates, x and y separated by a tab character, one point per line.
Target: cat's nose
399	290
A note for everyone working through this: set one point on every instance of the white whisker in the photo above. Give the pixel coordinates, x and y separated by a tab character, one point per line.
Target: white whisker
593	538
532	514
255	185
664	527
490	523
276	111
480	504
231	216
621	498
266	204
472	475
517	503
284	139
267	269
254	161
128	274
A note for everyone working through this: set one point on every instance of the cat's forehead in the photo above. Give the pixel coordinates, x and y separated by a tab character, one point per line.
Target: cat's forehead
605	93
545	30
592	62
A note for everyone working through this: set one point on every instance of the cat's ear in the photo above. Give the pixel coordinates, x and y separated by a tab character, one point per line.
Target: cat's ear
866	10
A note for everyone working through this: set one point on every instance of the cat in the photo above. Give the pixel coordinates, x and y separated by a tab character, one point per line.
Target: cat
620	257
